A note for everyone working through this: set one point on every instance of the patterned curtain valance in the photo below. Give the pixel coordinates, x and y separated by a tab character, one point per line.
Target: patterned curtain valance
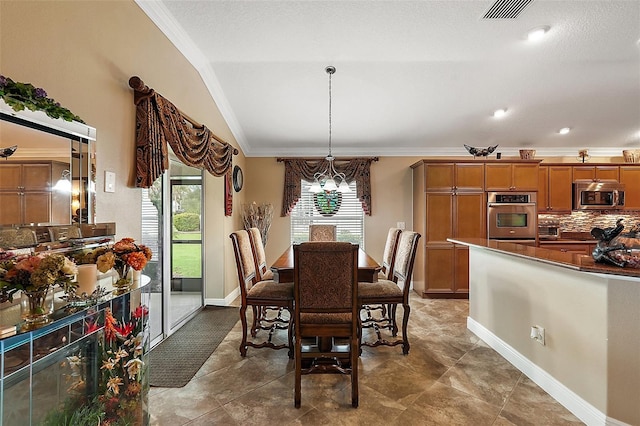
159	122
297	169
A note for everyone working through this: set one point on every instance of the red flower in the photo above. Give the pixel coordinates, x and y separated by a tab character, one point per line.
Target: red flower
91	327
125	330
141	311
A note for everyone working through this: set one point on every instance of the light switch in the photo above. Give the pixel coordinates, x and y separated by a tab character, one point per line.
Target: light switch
400	225
109	182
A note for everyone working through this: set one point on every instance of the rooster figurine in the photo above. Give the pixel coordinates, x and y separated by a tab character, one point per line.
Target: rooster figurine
480	152
8	152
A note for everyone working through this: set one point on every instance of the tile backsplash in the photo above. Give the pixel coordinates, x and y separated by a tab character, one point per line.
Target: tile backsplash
584	221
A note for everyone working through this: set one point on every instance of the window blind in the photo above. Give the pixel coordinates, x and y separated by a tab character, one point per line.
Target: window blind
349	219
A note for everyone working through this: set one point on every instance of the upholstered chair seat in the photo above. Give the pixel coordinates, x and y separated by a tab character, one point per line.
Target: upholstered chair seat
260	295
325	309
271	290
391	293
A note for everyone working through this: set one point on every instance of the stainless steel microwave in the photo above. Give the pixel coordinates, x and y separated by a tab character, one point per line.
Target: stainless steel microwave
599	195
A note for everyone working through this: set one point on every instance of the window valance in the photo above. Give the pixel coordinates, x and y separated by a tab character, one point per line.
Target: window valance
159	122
297	169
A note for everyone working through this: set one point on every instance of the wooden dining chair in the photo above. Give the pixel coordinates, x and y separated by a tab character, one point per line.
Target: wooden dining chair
261	315
322	233
393	293
386	272
326	307
389	253
258	294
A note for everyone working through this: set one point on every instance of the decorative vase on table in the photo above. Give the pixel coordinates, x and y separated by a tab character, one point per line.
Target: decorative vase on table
36	306
123	280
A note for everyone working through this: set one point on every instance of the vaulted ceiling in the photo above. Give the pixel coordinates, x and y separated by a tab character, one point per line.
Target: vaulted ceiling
415	77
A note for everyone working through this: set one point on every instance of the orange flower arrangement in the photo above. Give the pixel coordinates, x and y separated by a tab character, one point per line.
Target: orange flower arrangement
122	256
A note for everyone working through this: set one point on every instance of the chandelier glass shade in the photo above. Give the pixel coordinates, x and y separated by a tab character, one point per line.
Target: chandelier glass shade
329	179
64	183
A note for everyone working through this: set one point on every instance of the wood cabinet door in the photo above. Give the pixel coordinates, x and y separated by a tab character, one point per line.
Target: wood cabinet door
470	220
607	173
10	208
37	207
439	176
630	176
10	177
498	177
560	191
525	177
439	220
543	189
596	172
37	177
461	278
440	269
469	177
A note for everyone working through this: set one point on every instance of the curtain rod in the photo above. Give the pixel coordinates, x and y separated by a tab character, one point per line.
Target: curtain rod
281	159
142	89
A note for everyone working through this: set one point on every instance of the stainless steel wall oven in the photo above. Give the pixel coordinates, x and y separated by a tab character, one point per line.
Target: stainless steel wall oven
512	215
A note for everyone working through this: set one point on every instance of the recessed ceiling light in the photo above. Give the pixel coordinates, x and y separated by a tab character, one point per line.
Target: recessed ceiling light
499	113
537	33
564	130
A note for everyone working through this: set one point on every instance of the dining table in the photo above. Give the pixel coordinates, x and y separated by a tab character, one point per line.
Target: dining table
282	268
368	270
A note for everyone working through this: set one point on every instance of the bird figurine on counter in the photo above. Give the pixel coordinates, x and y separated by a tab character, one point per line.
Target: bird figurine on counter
480	152
8	152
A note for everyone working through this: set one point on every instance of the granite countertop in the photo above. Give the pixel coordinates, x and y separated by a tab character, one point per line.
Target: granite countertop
577	261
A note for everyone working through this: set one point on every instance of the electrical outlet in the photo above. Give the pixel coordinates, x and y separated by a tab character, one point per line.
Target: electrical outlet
537	334
400	225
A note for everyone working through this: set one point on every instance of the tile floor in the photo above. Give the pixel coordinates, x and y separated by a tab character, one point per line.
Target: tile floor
450	377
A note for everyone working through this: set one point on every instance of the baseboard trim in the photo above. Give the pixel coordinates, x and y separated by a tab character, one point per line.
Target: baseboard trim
565	396
223	302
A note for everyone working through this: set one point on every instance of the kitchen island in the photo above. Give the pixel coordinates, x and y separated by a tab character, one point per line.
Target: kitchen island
590	313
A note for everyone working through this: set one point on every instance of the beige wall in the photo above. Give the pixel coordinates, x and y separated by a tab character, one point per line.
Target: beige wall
591	321
391	183
83	54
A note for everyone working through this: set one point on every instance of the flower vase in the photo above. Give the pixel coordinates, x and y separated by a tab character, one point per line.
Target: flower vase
123	279
36	306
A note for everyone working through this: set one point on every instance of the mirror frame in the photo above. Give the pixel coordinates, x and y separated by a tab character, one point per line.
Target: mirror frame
79	135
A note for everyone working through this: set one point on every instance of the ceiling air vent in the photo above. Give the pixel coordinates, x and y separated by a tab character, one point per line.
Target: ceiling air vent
506	9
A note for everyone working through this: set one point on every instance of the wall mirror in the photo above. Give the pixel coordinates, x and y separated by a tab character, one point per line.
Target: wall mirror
50	177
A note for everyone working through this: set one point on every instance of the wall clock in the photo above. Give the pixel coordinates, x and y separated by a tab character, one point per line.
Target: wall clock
238	179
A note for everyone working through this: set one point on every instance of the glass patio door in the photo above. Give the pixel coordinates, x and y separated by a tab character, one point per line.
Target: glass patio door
172	228
186	284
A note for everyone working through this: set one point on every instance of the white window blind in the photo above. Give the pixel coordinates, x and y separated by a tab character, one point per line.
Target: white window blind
349	219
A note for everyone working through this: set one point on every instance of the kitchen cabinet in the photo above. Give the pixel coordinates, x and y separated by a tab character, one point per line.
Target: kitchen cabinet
579	247
630	176
449	201
507	176
554	189
596	172
26	193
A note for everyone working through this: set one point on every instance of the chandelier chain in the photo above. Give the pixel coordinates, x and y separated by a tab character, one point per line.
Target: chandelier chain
330	73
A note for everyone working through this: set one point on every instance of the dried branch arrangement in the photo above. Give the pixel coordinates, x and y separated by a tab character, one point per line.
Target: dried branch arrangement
258	216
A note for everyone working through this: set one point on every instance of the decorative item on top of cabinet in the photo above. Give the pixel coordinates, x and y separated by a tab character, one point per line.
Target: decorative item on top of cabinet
448	201
515	176
554	188
480	152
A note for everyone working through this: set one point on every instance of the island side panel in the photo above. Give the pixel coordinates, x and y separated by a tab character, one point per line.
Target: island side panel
509	294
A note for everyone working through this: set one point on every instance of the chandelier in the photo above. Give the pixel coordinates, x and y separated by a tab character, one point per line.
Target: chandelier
326	179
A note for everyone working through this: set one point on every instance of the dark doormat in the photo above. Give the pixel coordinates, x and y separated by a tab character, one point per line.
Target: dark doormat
178	358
